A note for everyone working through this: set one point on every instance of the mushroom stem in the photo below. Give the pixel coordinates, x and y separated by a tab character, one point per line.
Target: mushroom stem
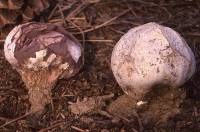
39	97
39	85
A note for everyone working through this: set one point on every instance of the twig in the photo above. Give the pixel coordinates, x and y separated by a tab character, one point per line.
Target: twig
193	34
180	4
106	97
105	23
3	119
58	20
68	95
78	129
168	13
123	118
105	113
52	126
77	18
62	15
101	41
78	10
134	130
64	8
117	31
83	35
145	3
2	40
52	12
16	119
139	121
52	106
129	7
64	20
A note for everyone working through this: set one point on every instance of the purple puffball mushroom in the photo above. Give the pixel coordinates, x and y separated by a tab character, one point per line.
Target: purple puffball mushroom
42	54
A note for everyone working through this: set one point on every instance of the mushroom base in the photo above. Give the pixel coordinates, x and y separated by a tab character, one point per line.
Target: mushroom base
156	107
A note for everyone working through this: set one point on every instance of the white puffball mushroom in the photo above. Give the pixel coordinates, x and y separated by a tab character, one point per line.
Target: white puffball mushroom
150	55
42	53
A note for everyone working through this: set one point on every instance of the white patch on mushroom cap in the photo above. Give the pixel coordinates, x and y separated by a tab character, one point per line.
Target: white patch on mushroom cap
10	44
51	58
74	50
38	61
64	66
151	54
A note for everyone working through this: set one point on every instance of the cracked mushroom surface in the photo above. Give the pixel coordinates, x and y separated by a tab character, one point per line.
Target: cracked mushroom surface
42	54
150	55
150	62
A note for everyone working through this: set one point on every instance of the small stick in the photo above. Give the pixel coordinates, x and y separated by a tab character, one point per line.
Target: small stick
62	15
3	119
145	3
139	121
52	12
68	95
51	127
98	40
105	23
106	97
52	106
16	119
168	13
82	33
55	12
134	130
78	10
2	40
123	118
69	6
132	11
78	129
117	31
77	18
193	34
73	18
105	113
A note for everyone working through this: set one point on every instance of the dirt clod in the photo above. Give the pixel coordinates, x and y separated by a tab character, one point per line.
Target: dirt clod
91	104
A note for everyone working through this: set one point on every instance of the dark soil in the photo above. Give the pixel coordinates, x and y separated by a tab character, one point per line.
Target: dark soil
96	78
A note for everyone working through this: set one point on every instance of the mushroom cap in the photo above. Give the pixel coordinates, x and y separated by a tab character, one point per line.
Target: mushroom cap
150	55
38	46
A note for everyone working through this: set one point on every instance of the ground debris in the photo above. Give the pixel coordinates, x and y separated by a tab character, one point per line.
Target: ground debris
92	104
159	106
